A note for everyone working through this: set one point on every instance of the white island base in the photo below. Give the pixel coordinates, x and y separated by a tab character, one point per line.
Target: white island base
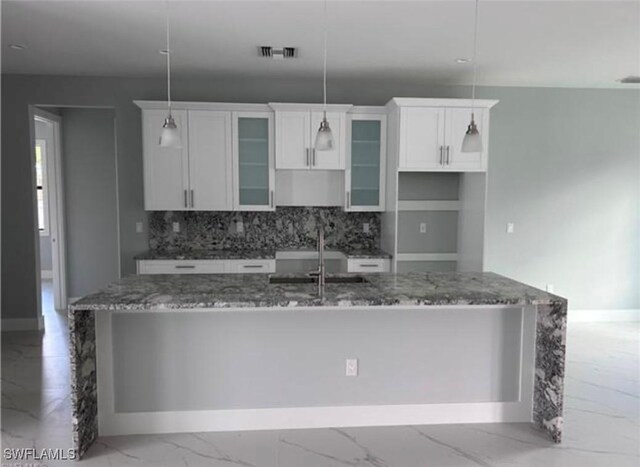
225	369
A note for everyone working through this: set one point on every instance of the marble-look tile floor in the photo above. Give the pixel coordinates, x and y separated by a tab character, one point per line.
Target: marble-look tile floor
602	418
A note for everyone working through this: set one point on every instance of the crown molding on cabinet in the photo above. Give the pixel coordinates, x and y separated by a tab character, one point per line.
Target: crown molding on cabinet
217	106
290	106
429	102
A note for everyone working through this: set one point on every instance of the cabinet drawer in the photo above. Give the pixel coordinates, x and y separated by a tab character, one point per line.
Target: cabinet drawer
368	265
247	266
181	266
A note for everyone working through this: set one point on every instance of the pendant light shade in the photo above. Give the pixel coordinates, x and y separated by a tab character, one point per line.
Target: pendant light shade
472	141
170	135
324	138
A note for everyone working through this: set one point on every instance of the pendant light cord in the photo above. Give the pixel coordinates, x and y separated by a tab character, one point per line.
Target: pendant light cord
324	66
168	64
475	56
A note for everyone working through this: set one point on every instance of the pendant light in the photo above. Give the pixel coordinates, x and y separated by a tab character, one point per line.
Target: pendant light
170	136
324	138
472	141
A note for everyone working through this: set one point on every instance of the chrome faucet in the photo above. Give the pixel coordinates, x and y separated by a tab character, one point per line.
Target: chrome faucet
320	272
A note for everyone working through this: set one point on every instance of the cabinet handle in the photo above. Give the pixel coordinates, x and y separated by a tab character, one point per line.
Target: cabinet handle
271	198
369	265
253	266
348	199
185	266
308	158
441	155
192	200
448	154
314	156
185	199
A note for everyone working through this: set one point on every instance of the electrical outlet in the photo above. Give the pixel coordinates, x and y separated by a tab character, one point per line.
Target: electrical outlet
351	366
510	227
139	227
176	227
423	227
550	288
365	227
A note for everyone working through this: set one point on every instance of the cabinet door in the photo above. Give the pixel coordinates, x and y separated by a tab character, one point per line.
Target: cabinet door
364	177
210	161
333	159
254	175
457	121
293	142
166	170
421	138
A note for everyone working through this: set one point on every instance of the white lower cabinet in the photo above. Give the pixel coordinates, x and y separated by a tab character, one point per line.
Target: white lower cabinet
205	266
368	265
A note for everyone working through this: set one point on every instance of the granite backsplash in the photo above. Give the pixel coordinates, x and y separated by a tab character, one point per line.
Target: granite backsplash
282	229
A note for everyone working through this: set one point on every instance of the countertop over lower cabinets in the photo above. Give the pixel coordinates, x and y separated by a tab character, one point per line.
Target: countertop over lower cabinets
214	254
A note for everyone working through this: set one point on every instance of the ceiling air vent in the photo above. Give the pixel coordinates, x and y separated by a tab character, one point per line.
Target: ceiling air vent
630	80
276	53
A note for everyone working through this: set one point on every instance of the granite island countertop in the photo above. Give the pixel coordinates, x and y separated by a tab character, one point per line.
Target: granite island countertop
207	291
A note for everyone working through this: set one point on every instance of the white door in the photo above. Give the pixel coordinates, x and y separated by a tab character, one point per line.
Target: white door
335	158
293	142
457	122
421	138
210	161
166	170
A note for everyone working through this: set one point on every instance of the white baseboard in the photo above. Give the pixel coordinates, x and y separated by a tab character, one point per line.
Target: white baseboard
111	424
595	316
22	324
46	274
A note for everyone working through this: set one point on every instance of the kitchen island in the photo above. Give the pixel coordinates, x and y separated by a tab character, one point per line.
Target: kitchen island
167	353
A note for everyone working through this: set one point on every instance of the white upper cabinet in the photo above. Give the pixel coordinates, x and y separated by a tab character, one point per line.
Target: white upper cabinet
293	140
430	133
296	128
457	122
253	161
422	133
365	180
210	165
166	170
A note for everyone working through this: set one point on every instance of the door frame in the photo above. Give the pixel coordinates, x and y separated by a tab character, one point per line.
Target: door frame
55	201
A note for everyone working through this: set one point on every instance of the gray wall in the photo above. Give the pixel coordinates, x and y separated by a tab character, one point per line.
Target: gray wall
563	167
90	199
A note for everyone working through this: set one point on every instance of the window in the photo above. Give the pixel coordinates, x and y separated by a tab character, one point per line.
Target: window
41	186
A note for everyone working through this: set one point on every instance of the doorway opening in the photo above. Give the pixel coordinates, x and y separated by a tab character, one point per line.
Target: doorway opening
47	153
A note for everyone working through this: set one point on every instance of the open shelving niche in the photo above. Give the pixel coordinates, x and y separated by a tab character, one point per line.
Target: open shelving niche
452	205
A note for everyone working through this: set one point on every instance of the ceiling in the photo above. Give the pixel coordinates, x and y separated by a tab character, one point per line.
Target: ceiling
521	43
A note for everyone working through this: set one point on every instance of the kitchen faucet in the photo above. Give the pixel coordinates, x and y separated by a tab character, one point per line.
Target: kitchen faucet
320	272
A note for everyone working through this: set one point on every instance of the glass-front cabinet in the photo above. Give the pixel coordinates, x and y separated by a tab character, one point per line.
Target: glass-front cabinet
364	177
253	155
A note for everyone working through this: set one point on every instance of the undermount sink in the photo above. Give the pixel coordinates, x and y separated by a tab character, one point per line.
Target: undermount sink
314	279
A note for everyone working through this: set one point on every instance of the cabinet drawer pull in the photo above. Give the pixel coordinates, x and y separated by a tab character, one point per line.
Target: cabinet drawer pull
185	199
185	266
369	265
253	266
